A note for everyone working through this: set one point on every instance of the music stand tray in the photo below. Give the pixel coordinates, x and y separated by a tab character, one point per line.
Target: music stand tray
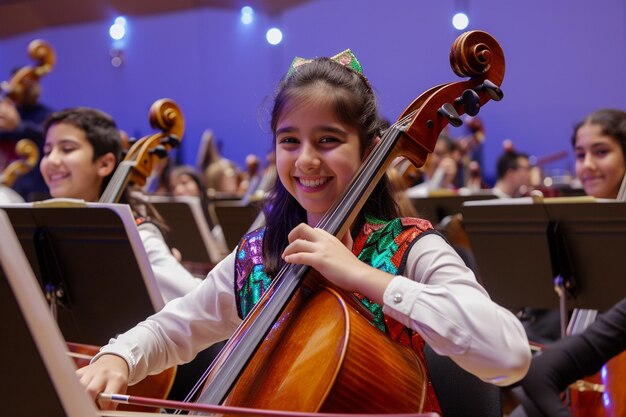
595	239
435	207
93	250
516	262
510	245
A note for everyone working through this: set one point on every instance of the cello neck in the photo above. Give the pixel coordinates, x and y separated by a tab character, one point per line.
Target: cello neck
114	190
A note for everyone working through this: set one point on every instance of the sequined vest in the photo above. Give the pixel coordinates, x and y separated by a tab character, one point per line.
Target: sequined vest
381	244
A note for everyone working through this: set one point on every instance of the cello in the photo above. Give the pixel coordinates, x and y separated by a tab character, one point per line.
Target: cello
144	154
270	362
28	154
43	54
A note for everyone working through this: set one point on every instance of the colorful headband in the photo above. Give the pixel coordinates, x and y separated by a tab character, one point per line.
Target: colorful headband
345	58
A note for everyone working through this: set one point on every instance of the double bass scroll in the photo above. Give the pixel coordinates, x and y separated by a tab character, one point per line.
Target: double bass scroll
234	377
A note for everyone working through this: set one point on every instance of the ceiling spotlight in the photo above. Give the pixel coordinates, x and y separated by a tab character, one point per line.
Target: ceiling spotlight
460	21
247	15
117	30
274	36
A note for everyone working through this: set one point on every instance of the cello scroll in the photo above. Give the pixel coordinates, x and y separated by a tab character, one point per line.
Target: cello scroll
144	153
28	154
474	54
43	54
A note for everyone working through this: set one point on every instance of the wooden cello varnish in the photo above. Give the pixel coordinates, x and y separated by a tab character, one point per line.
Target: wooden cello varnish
338	365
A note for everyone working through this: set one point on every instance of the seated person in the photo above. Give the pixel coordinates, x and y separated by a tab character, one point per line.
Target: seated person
599	143
513	175
23	119
440	169
81	151
570	359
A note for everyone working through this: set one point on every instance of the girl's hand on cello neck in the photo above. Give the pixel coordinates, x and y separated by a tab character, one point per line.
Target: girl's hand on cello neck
334	260
109	374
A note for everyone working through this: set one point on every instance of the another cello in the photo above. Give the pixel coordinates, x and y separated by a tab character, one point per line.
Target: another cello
305	345
604	393
28	154
43	54
143	154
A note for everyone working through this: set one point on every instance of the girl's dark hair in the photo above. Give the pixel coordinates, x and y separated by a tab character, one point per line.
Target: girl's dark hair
354	104
100	130
612	123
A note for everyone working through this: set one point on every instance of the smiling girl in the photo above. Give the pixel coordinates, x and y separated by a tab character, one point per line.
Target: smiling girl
325	121
600	149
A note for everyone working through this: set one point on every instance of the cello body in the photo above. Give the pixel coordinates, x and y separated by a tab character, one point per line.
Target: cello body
311	363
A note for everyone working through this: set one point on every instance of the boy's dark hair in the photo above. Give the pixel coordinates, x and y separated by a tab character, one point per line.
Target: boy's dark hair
354	104
508	161
100	129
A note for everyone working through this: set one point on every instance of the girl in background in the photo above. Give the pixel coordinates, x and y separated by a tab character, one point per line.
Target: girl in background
599	143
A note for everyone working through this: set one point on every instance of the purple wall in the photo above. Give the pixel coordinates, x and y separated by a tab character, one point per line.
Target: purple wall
564	59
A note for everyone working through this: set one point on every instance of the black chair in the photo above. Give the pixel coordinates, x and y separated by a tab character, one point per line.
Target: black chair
460	393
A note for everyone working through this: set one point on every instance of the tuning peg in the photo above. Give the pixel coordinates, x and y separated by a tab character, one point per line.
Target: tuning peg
492	90
159	151
132	141
171	141
470	101
449	112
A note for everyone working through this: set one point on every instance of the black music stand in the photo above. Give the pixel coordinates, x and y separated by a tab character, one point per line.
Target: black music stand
510	244
594	234
521	246
235	219
189	231
92	252
435	206
33	353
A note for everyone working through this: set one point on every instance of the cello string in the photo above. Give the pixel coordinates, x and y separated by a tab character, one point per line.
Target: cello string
621	195
194	390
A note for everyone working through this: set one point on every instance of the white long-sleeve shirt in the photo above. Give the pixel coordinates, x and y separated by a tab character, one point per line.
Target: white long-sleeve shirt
171	277
438	297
